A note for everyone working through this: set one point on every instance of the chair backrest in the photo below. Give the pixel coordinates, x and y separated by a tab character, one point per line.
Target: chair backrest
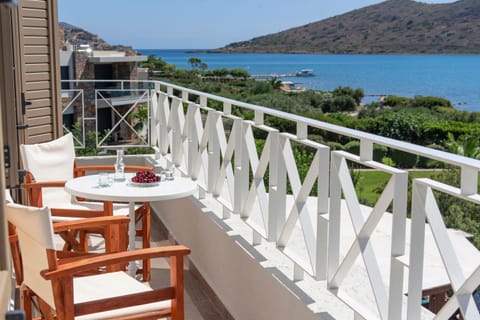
35	234
50	161
8	196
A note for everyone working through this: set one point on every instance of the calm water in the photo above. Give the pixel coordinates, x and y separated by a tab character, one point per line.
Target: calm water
454	77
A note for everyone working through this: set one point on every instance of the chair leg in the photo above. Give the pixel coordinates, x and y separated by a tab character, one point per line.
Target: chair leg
177	281
16	254
27	301
83	239
143	214
26	296
146	239
45	310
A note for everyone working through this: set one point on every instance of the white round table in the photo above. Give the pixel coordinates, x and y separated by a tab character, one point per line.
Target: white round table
88	187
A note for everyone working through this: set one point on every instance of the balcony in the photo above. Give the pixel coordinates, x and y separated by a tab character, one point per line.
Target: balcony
273	243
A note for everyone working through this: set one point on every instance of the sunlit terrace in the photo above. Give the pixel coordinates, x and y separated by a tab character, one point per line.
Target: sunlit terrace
276	229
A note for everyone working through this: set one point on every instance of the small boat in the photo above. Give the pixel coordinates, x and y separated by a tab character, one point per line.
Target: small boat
305	73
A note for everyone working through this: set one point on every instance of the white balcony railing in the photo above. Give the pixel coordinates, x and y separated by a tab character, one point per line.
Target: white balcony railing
333	230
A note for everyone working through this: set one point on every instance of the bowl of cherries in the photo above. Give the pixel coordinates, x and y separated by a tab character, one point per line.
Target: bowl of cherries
145	179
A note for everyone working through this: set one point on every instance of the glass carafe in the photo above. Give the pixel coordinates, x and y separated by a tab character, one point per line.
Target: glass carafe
119	166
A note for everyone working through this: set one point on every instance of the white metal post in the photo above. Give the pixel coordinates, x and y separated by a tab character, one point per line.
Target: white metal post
366	150
400	199
213	151
334	219
322	211
238	196
277	188
469	180
417	249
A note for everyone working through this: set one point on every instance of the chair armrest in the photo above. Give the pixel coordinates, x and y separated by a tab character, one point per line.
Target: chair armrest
78	213
34	189
44	184
137	168
89	223
68	269
82	170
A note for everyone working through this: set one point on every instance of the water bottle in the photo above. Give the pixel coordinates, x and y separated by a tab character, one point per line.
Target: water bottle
119	167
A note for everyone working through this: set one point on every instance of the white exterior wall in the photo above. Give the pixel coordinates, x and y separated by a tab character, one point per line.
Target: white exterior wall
246	288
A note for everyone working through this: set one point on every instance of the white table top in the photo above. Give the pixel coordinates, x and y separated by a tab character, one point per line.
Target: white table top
87	187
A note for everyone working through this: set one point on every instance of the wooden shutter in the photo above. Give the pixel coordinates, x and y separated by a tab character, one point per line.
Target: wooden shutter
9	82
7	14
40	70
29	79
5	276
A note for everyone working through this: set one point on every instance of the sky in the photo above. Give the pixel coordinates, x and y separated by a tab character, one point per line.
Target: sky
197	24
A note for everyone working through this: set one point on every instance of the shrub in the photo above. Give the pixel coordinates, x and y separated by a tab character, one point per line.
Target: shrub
344	103
388	161
240	73
403	159
260	87
353	147
220	72
356	94
396	101
335	146
430	102
379	152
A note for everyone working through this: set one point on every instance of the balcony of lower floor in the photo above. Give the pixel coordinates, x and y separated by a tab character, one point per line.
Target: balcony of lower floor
277	227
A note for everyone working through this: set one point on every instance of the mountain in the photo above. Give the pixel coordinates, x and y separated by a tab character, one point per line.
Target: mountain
73	35
394	26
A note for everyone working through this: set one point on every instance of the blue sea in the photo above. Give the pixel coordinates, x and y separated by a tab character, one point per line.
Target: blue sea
454	77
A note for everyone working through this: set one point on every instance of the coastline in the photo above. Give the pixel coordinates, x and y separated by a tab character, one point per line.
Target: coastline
444	75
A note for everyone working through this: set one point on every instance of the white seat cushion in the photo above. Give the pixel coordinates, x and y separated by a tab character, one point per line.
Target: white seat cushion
57	198
112	285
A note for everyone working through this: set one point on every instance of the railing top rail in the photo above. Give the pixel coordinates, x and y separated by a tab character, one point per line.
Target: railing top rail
430	153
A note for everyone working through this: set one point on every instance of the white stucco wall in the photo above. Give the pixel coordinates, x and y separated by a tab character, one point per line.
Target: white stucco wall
246	288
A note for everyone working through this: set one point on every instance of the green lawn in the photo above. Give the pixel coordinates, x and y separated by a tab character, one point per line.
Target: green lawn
370	183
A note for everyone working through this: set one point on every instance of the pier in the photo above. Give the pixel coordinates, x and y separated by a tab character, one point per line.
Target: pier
274	76
301	73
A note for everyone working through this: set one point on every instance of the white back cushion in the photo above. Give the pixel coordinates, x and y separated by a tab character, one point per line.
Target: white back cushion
8	196
35	235
50	161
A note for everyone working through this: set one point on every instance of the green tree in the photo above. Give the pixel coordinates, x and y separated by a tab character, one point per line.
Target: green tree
197	63
458	213
239	73
154	64
274	83
356	94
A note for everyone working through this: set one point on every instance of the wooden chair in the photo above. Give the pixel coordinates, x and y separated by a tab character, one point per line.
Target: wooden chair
112	295
113	229
49	165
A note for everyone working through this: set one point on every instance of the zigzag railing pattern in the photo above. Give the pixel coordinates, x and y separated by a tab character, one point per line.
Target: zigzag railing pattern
464	278
226	164
339	237
123	123
387	298
77	99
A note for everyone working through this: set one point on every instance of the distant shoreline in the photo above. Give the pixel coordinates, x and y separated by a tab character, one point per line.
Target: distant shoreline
216	51
450	76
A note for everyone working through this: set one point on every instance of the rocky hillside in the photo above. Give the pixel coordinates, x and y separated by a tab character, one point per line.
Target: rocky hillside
76	36
394	26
